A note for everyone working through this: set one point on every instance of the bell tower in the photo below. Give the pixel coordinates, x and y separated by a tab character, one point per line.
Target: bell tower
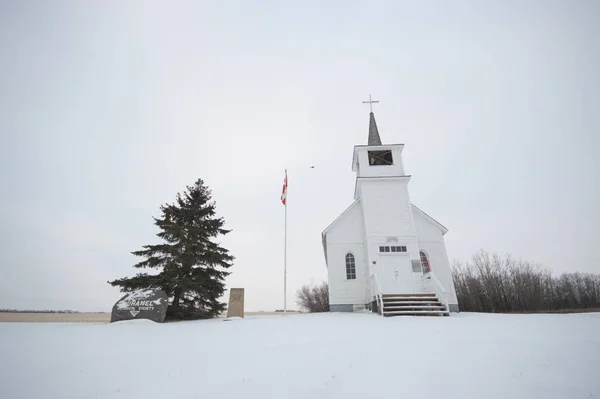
382	188
376	159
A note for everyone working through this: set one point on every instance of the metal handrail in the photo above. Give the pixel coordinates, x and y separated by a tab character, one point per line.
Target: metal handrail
443	292
378	294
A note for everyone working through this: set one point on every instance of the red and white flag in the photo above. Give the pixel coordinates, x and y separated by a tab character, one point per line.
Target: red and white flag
284	190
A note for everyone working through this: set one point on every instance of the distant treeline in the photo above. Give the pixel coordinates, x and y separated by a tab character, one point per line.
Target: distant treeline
490	283
37	311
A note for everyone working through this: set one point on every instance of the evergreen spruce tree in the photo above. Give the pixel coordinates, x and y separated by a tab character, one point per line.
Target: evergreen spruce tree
191	264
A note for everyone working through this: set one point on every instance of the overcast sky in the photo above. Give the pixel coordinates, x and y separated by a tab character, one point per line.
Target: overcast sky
108	109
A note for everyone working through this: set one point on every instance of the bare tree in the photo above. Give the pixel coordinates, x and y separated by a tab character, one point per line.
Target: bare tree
489	283
313	298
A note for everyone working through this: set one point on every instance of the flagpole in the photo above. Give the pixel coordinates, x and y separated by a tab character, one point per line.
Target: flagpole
285	250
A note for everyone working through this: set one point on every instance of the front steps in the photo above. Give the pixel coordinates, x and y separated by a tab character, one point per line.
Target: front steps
413	305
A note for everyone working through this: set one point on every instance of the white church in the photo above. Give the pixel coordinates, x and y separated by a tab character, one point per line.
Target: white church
383	253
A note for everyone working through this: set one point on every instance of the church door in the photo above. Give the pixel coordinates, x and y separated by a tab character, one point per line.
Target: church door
396	274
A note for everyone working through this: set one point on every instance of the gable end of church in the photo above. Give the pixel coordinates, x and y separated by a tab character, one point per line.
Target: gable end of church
430	219
333	224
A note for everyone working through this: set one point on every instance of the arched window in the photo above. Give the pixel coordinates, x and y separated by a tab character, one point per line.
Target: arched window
425	262
350	267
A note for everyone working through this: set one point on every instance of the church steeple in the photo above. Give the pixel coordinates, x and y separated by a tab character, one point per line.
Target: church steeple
376	159
374	138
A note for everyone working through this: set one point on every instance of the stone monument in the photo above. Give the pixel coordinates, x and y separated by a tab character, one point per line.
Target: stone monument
149	303
236	303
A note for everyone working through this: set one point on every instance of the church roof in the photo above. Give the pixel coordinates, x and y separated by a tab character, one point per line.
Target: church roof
432	220
356	202
374	138
324	233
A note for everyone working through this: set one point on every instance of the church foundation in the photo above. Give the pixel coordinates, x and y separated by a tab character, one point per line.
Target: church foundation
454	307
341	308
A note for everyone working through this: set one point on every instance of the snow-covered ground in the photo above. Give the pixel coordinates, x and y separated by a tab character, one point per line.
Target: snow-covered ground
306	356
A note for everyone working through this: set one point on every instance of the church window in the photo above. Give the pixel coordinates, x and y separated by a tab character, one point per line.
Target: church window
393	248
424	262
380	157
350	267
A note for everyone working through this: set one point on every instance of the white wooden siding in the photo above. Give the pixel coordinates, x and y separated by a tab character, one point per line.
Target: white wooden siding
431	240
346	235
348	228
426	230
342	290
387	207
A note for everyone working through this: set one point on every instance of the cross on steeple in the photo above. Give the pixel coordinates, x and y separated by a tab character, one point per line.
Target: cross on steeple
370	102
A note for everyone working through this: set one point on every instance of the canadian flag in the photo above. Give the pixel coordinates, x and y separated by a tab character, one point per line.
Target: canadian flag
284	190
